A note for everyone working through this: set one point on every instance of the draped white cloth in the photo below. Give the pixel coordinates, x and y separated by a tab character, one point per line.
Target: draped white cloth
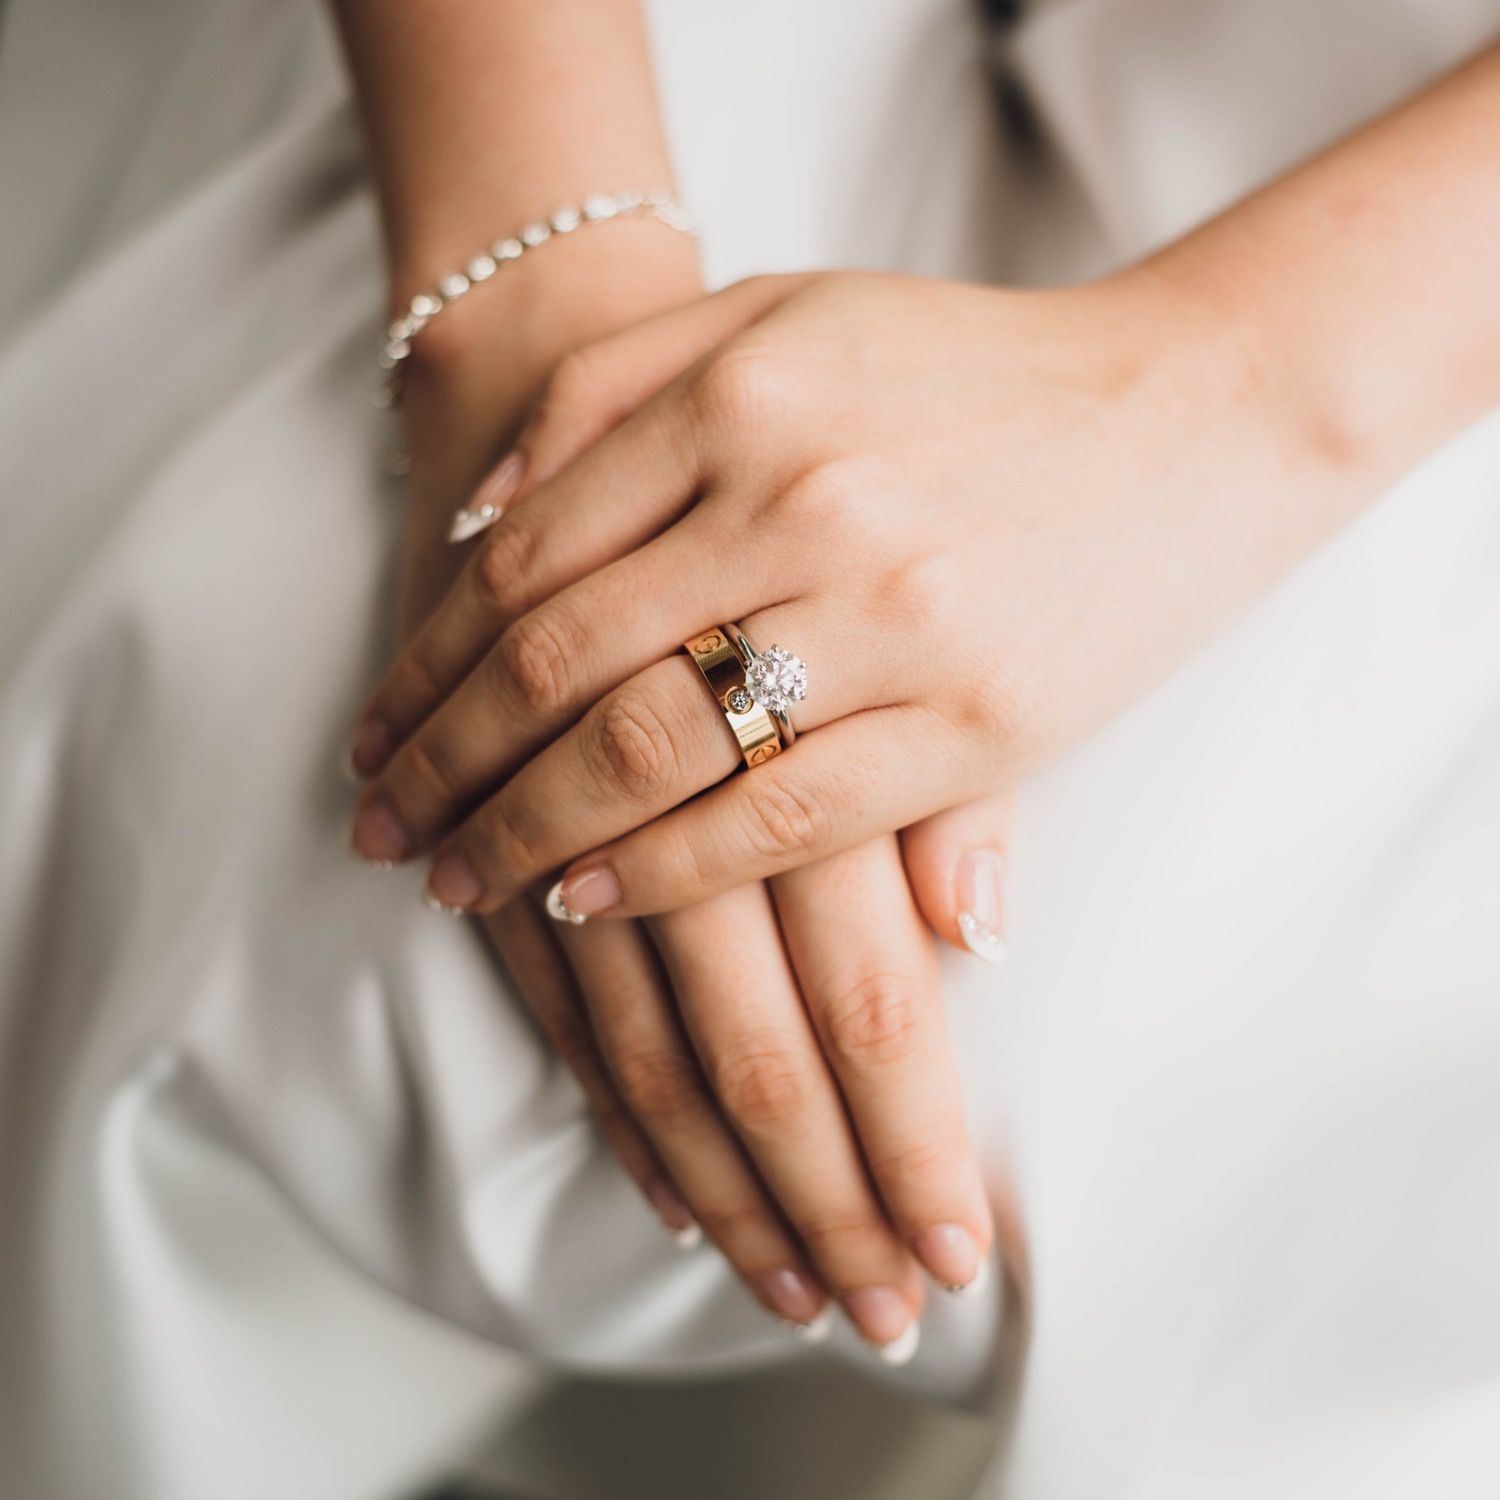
283	1171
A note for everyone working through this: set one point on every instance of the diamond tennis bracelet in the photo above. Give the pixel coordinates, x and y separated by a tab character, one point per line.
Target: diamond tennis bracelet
425	306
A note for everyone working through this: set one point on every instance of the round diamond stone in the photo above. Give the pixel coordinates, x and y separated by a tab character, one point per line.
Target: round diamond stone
740	702
777	680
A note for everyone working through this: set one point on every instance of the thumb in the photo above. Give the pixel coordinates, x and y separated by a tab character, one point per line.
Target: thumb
955	865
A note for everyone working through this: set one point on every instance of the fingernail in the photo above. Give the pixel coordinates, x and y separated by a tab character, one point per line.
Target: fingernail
883	1319
557	908
490	499
816	1329
370	749
588	891
951	1255
675	1215
452	881
433	904
792	1296
980	874
902	1350
378	834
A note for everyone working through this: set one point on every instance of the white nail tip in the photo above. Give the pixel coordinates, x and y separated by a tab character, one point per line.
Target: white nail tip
900	1351
981	939
817	1330
974	1285
469	523
558	910
433	904
689	1238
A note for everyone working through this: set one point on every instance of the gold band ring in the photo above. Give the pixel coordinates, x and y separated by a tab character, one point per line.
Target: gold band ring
724	657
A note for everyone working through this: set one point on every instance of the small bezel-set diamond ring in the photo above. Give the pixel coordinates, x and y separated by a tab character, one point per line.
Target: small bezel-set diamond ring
755	690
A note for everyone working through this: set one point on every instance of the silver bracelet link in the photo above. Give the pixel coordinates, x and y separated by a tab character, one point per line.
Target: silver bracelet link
425	306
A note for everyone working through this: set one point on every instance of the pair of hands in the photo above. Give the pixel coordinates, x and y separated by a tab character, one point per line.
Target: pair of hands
986	519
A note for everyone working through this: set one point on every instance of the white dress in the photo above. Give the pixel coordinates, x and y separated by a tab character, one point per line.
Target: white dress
293	1203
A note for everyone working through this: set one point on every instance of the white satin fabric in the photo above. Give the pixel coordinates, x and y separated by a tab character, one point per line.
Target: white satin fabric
286	1182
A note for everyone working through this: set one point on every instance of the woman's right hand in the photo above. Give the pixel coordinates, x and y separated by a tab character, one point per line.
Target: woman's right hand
769	1066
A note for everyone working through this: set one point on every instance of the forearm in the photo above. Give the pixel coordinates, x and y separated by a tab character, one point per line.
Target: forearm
483	113
1365	280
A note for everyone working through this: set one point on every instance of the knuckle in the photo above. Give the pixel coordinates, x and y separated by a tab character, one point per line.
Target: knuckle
763	1086
847	1239
419	681
739	389
873	1022
917	1167
503	559
634	747
660	1085
785	820
736	1227
512	848
428	765
535	655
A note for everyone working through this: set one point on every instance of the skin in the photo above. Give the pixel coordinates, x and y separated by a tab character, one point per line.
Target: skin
769	1064
987	518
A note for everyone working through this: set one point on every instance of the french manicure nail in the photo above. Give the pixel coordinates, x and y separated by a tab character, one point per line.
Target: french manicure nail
490	499
369	750
675	1215
980	874
433	904
453	882
816	1329
881	1316
588	891
950	1255
558	910
379	836
902	1350
792	1296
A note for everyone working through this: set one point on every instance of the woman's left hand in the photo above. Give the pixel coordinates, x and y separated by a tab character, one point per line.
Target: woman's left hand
985	518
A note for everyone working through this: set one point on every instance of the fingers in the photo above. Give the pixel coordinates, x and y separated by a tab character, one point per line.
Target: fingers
741	1007
649	746
848	782
527	944
868	973
596	476
546	669
624	490
955	865
653	1067
596	387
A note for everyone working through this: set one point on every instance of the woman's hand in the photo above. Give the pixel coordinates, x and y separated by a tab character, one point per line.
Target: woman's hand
725	1049
986	519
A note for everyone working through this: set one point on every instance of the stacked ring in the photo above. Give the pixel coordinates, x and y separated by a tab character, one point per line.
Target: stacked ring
754	691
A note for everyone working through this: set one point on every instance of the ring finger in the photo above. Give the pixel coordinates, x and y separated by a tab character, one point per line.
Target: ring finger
645	748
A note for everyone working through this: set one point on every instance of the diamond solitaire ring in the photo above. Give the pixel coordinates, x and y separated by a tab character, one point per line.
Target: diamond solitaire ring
754	690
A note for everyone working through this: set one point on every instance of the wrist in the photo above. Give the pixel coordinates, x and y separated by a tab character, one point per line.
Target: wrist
570	290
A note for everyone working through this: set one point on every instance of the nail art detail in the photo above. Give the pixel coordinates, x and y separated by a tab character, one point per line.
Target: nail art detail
816	1330
975	1285
433	904
689	1238
980	874
489	503
901	1351
558	910
585	892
